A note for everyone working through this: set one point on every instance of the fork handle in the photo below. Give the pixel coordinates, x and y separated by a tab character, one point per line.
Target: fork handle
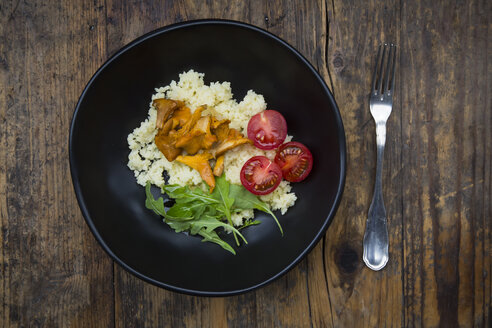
376	235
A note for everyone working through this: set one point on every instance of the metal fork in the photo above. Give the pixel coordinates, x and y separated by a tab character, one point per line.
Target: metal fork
381	102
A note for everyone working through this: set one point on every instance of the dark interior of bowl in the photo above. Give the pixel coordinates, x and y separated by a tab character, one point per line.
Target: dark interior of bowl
116	100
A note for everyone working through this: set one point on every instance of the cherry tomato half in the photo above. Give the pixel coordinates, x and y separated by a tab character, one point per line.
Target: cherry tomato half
260	175
295	161
267	129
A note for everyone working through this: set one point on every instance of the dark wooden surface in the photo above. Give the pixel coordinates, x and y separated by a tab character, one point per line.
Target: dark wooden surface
437	176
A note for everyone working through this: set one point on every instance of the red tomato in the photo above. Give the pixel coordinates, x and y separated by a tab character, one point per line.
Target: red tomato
260	175
295	161
267	129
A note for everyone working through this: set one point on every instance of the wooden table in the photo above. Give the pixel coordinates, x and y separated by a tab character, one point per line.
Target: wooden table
437	177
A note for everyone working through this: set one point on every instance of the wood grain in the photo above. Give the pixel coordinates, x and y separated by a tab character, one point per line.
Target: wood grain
437	175
53	273
447	154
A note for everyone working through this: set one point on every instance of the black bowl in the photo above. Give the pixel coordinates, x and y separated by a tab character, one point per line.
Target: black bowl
116	100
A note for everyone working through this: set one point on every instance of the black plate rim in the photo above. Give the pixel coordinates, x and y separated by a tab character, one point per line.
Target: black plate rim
342	145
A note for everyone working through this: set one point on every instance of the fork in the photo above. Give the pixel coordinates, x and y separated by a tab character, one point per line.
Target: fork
381	102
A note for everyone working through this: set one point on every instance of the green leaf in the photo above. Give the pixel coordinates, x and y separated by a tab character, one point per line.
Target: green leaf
186	194
211	236
249	223
198	211
211	223
221	193
156	205
245	200
178	226
175	191
201	213
212	211
180	210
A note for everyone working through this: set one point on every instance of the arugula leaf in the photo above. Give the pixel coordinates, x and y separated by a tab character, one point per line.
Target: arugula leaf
211	236
198	210
201	213
178	226
245	200
196	214
186	194
249	223
174	191
156	205
211	223
221	193
181	210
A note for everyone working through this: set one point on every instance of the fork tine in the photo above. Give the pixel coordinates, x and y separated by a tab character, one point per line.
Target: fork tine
380	79
374	77
393	70
387	73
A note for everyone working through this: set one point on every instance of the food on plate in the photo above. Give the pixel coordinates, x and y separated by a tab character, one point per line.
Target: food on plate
260	175
193	141
219	166
199	137
178	130
200	163
199	212
267	129
295	161
229	139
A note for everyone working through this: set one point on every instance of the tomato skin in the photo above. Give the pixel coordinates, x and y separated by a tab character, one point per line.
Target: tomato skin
267	129
260	176
295	160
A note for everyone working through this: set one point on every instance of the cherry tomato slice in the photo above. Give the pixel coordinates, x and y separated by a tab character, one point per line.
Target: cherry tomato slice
295	161
267	129
260	175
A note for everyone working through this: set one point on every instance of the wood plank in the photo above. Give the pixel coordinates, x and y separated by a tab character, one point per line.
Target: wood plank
446	159
360	297
52	271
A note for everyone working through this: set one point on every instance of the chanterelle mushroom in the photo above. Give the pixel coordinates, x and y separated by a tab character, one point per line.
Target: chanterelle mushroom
219	166
179	129
165	107
234	138
220	128
198	138
165	144
188	125
180	117
200	163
